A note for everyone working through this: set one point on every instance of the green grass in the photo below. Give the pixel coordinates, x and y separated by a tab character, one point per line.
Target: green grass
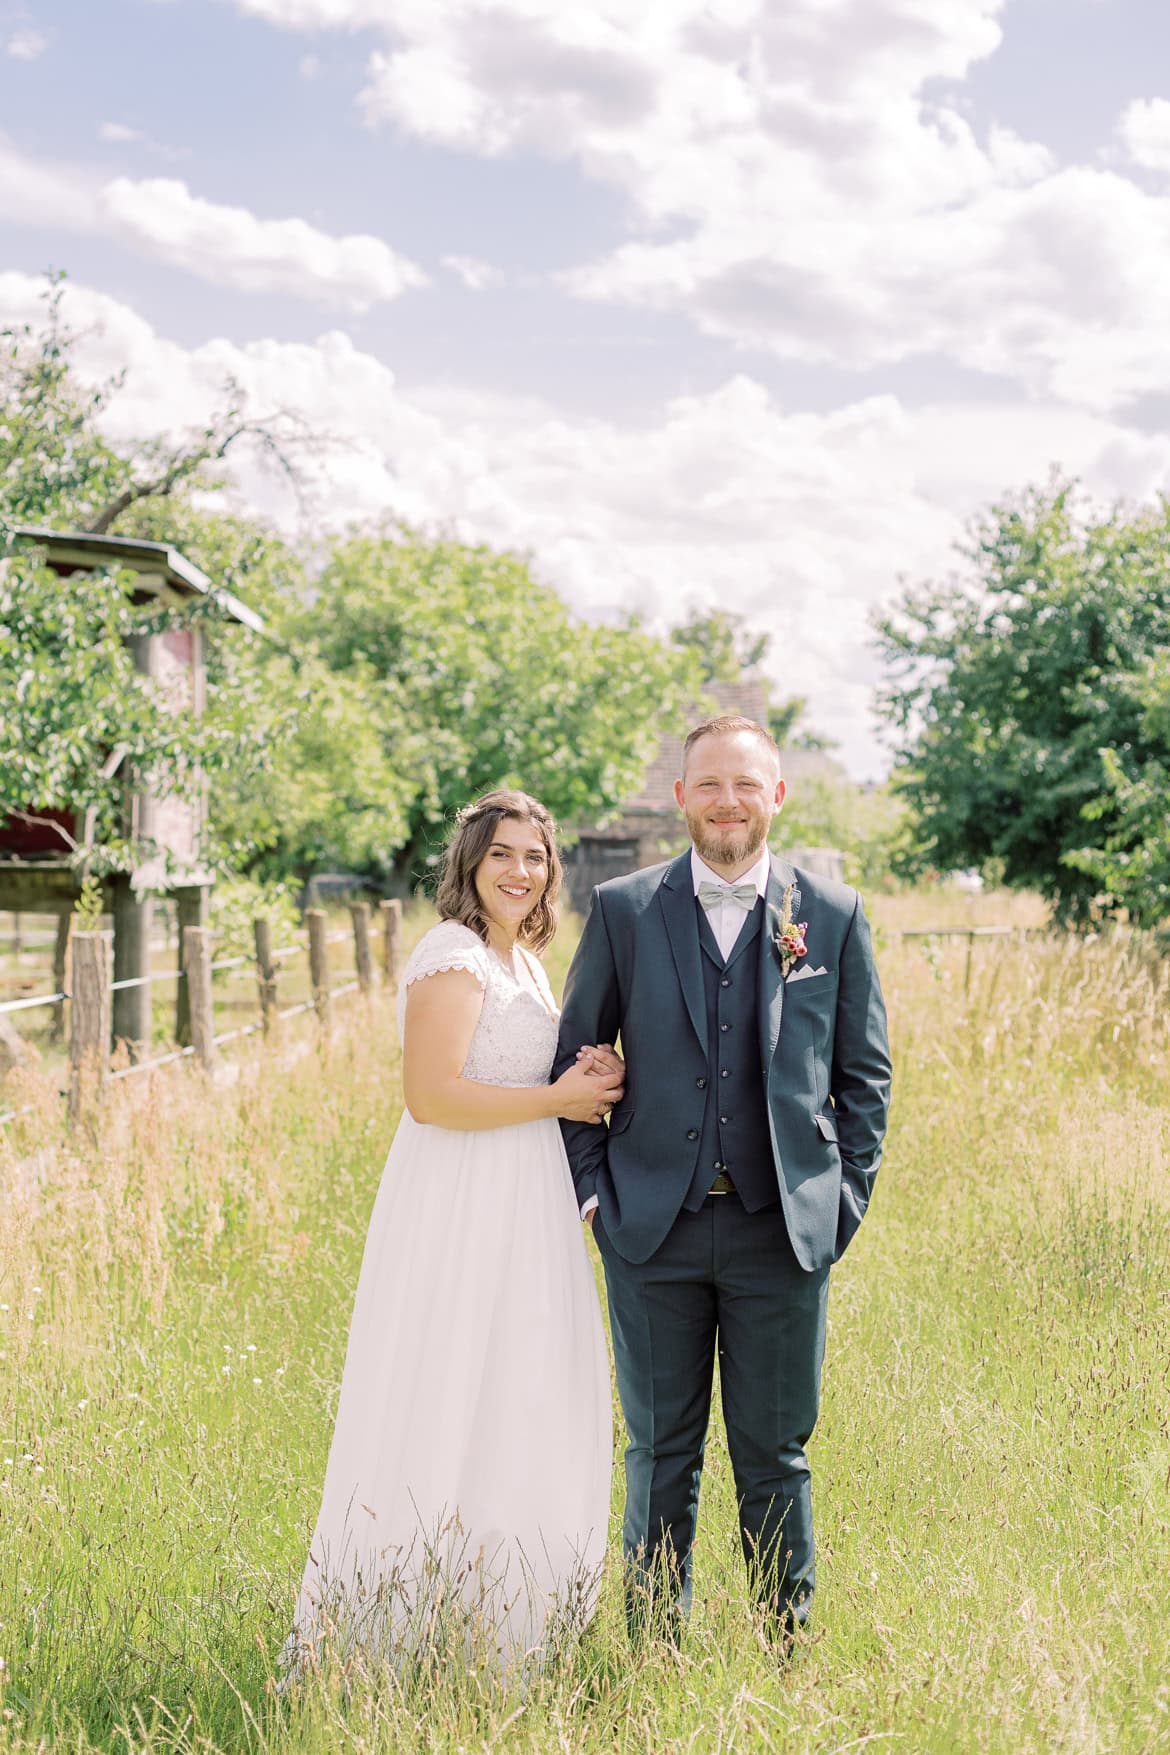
992	1466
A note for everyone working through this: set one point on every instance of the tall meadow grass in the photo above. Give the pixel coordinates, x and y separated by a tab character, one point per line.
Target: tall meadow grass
992	1466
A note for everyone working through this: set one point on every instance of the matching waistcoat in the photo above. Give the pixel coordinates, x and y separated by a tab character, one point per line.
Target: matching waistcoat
735	1136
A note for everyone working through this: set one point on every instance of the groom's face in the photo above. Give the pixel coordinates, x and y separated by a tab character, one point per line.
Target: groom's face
729	793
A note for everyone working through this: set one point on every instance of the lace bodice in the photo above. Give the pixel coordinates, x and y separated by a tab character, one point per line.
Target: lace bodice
516	1036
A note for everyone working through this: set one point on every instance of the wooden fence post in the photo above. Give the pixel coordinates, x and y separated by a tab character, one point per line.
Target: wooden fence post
391	913
359	913
89	1018
191	909
265	973
197	965
61	973
315	919
133	914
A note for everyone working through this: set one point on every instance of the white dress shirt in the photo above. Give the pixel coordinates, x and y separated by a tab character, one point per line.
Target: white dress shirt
726	921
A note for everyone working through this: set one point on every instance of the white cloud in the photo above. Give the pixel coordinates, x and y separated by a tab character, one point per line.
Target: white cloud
802	177
32	193
476	275
26	44
122	134
803	522
236	248
318	14
226	245
1145	132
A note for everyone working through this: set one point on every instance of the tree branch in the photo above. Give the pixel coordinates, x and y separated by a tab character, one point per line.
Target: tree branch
36	822
192	458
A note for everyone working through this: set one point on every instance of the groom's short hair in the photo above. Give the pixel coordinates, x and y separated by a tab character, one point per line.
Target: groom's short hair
724	725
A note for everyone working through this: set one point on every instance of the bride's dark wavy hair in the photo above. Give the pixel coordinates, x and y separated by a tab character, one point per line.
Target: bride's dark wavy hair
475	829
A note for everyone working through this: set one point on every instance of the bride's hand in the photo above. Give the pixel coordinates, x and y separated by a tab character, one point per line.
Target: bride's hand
585	1093
603	1058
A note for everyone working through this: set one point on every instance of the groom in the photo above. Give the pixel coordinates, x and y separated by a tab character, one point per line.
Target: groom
736	1167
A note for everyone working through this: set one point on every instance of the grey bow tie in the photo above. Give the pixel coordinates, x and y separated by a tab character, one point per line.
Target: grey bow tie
712	895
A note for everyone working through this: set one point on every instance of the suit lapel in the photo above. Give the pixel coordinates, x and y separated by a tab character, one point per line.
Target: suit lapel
676	896
771	987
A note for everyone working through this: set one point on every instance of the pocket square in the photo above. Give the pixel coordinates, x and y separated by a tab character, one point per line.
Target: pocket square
806	973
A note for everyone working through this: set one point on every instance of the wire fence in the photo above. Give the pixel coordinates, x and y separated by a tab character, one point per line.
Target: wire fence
90	987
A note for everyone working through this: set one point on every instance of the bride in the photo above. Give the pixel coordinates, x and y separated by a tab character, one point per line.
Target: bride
466	1497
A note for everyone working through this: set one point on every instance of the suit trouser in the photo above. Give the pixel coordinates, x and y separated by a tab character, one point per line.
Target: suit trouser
723	1277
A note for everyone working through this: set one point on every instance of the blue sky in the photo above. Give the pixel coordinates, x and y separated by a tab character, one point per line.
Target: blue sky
749	302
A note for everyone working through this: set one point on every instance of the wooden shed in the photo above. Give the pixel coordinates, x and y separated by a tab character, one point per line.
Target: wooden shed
37	869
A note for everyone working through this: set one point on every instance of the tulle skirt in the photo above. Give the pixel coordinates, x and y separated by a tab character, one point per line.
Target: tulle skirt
466	1498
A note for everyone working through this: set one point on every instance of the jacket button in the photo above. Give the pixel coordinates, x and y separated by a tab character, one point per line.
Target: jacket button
702	1084
723	1120
725	1027
726	1073
692	1133
725	982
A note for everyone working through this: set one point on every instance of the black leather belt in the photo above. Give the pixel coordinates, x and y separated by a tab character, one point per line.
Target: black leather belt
722	1184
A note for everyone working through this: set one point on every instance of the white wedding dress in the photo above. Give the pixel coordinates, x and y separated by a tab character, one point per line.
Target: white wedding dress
469	1472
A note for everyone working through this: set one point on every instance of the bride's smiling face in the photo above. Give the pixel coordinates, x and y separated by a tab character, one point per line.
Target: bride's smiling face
512	876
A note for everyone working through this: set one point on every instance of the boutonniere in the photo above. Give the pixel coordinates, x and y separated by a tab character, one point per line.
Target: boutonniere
788	937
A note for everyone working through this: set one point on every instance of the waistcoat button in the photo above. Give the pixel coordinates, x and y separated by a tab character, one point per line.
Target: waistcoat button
692	1133
702	1084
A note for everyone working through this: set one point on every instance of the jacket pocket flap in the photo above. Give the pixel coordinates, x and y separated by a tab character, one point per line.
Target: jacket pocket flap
620	1120
826	1127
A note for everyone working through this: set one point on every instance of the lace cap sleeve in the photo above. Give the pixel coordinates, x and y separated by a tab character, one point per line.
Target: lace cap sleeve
447	946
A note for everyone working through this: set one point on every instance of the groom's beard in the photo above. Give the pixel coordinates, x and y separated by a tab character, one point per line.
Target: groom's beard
731	851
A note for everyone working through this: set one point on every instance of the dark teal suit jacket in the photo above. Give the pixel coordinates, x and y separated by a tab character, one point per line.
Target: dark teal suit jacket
823	1052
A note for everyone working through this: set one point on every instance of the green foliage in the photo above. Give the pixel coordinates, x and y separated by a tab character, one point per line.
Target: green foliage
1132	861
312	782
724	647
476	675
237	902
784	722
325	790
1016	693
55	467
76	716
721	642
412	676
825	808
89	907
239	554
